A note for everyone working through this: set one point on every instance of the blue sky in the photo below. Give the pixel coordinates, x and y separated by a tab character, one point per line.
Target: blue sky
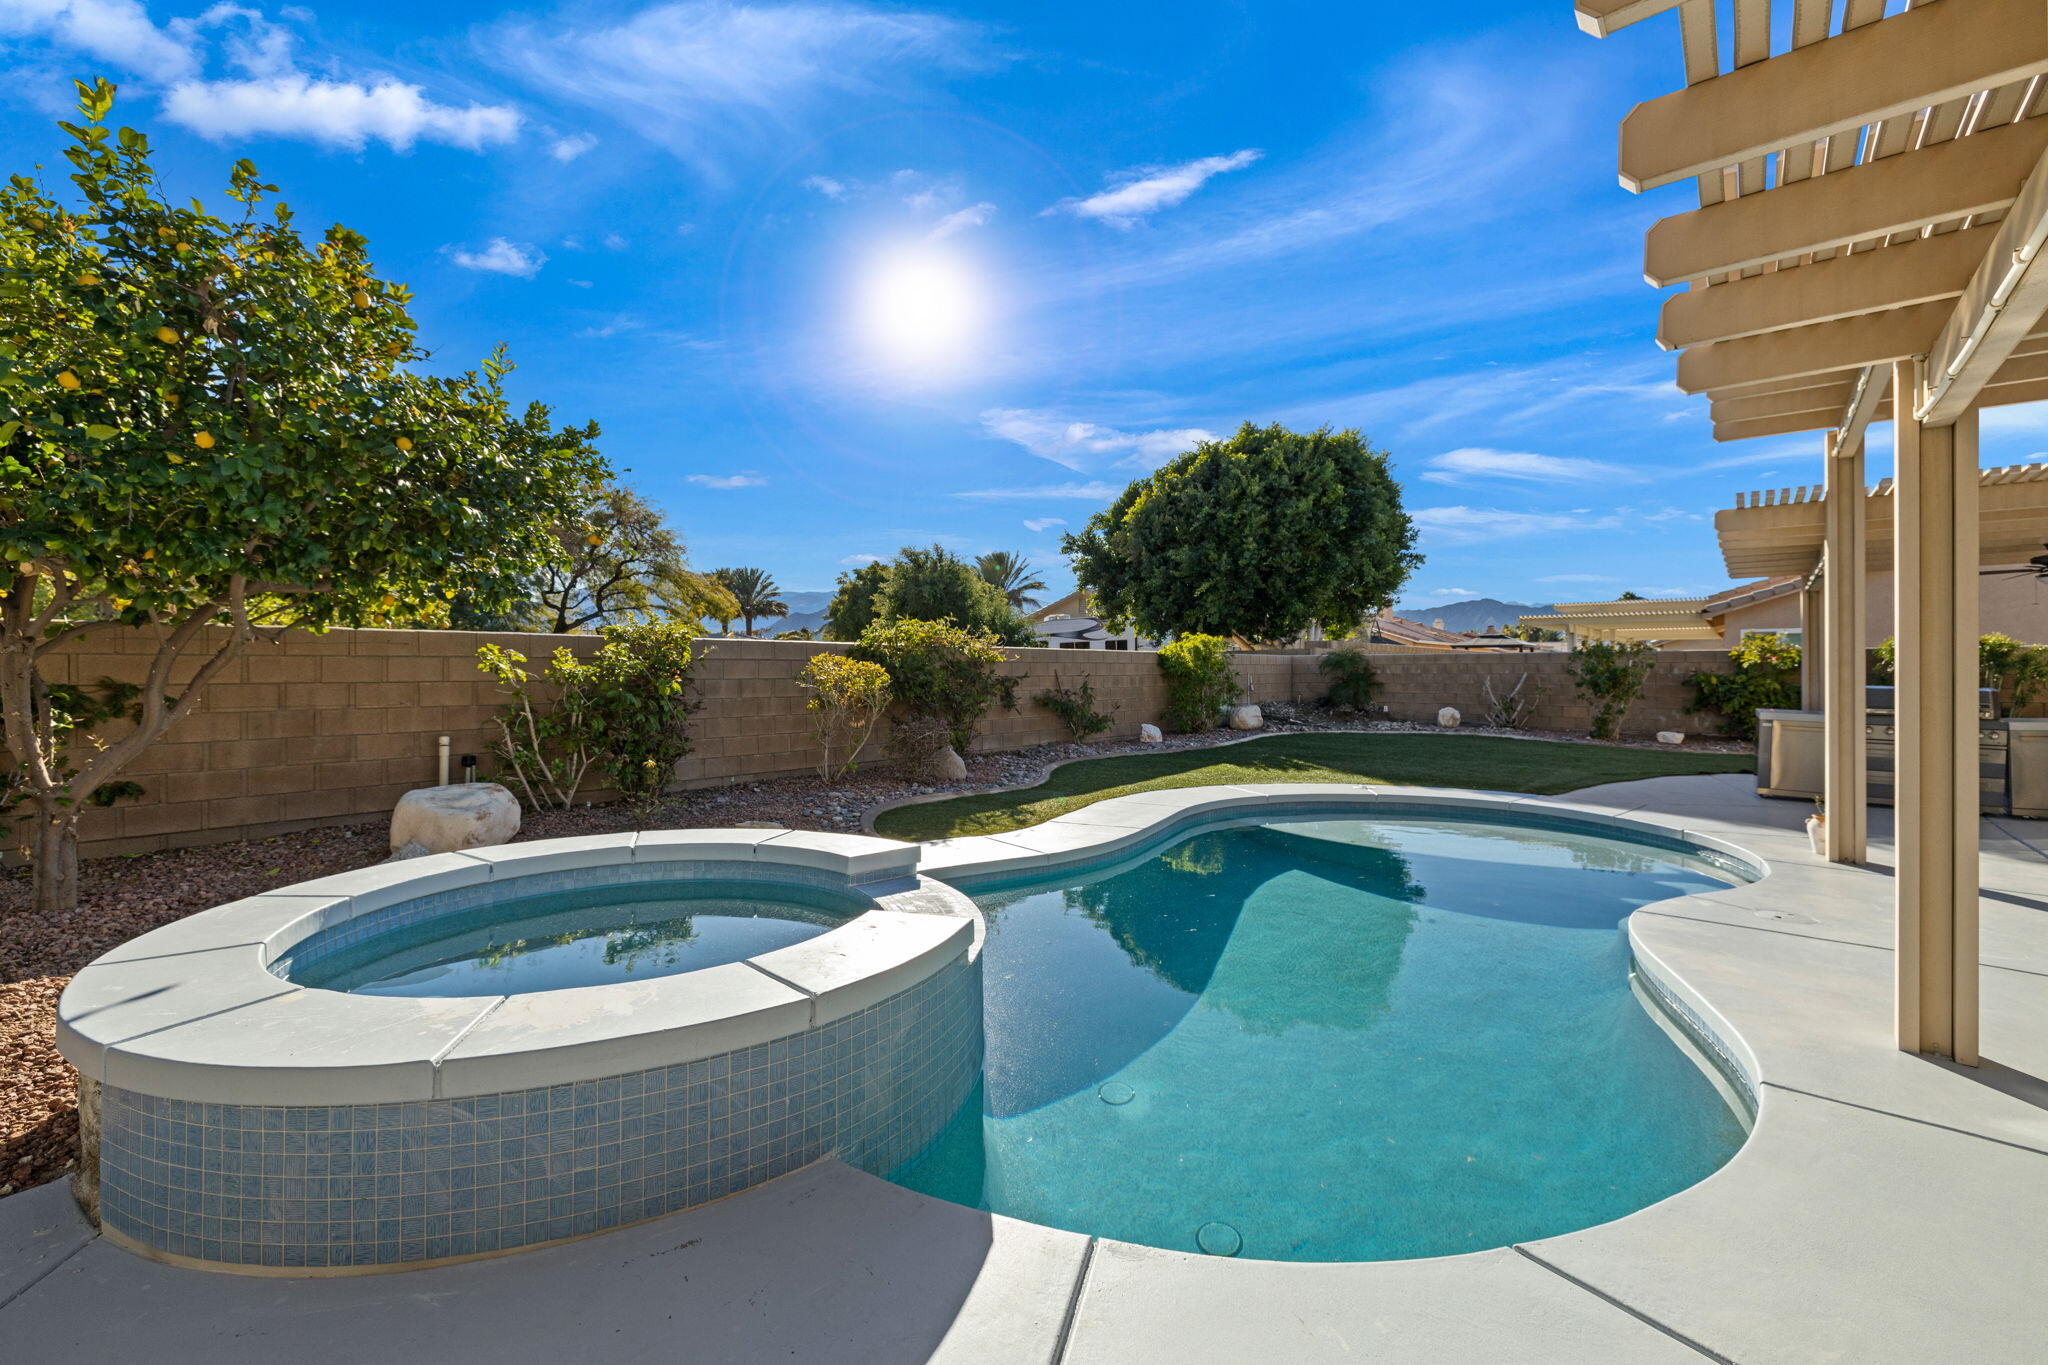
835	277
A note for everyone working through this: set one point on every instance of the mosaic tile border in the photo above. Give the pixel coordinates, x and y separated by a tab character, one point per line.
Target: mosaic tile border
353	1187
1703	1035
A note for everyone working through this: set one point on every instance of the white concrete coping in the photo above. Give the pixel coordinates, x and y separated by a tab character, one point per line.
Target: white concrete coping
193	1010
1123	823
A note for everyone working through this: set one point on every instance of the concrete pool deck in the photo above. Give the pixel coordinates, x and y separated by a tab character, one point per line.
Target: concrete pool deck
1889	1208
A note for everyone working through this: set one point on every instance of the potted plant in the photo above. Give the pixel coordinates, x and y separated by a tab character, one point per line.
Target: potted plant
1817	828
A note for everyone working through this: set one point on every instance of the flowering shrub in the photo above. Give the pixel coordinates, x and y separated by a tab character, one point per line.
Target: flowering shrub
848	697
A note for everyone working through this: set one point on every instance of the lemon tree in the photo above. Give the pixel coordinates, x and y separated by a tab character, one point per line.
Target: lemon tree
212	430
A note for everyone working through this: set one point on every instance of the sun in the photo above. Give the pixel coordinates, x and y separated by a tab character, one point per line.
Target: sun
920	309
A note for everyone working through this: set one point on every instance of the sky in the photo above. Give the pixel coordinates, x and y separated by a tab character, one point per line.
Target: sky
835	278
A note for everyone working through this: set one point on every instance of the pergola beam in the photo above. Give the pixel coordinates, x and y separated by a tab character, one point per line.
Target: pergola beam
1997	312
1895	194
1869	339
1926	56
1602	17
2001	394
1920	271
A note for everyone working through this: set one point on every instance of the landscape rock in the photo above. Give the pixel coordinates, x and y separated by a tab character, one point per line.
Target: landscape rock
463	815
1671	736
947	766
1448	718
1246	717
1149	734
760	824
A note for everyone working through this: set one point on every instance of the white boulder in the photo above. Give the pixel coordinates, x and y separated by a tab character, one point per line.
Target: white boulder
1448	718
1246	718
1149	734
1671	736
947	766
444	819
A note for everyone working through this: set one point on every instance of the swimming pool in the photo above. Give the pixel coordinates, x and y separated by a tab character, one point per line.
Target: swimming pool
1334	1038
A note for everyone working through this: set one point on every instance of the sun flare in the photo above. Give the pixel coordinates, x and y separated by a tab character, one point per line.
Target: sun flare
919	310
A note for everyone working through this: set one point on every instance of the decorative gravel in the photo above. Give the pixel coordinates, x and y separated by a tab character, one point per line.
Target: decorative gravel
123	897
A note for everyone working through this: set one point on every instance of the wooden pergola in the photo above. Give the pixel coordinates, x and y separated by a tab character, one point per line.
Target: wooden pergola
1872	203
1669	618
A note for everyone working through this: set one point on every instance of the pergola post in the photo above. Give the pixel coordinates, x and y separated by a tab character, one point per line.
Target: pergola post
1813	632
1845	594
1935	608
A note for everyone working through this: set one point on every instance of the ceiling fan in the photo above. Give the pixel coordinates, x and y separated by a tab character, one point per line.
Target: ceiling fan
2037	567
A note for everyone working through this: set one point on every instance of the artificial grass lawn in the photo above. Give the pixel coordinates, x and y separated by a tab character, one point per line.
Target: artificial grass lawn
1541	767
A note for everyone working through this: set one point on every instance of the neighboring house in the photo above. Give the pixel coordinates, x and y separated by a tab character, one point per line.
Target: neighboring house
1068	624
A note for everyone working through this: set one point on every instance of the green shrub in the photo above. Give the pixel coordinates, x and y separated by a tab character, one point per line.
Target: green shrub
1076	706
1353	683
1610	674
1198	682
942	671
624	712
848	697
1766	675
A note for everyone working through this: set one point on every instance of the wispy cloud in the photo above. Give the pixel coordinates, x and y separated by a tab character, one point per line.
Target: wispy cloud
1093	492
856	561
1085	447
960	220
1474	525
727	480
115	31
1576	578
1139	193
826	185
1477	464
501	257
698	75
568	148
1038	524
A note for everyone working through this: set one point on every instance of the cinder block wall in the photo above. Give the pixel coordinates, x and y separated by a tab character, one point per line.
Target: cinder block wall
323	729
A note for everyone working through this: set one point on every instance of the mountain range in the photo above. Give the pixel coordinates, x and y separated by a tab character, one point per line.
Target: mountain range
1475	615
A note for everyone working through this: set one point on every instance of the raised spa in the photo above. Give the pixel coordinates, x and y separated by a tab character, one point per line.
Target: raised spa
471	1053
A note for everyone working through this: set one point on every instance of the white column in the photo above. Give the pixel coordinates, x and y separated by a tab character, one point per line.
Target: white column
1936	612
1812	644
1845	597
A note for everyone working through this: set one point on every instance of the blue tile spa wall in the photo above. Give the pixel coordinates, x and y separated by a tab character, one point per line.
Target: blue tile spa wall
388	1184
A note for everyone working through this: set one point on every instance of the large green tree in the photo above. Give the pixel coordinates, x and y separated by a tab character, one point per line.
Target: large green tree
853	607
209	434
1257	537
619	561
935	584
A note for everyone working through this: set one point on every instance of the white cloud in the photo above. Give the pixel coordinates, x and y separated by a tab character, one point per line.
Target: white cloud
581	284
857	561
1094	492
697	75
615	241
1036	524
571	147
1474	463
1450	592
727	480
1472	525
335	113
115	31
973	216
502	258
1576	578
1151	188
826	185
1085	447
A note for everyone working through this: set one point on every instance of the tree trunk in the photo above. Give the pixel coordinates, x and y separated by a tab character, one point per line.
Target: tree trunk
55	858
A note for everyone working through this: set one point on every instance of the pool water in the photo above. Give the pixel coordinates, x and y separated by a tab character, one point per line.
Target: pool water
588	937
1332	1039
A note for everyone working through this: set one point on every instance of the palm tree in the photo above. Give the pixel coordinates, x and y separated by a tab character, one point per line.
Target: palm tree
1011	575
755	592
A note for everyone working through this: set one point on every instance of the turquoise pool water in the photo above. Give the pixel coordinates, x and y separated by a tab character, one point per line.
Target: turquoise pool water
588	937
1332	1039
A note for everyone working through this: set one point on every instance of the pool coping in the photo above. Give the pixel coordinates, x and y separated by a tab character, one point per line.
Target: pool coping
194	1011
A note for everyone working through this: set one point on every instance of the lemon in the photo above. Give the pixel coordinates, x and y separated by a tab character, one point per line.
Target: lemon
204	440
184	246
87	281
66	380
405	443
166	335
361	300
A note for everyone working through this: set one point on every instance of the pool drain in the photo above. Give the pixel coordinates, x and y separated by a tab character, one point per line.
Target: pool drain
1219	1239
1115	1092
